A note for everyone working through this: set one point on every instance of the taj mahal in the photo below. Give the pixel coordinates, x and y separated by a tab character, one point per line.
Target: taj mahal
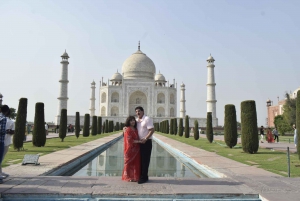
138	84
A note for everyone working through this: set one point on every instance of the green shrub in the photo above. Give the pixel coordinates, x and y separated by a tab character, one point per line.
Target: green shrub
106	126
298	121
196	130
209	128
175	127
62	125
39	132
99	125
187	127
202	132
167	127
230	126
86	126
94	125
77	125
20	126
117	126
111	126
172	126
180	128
249	127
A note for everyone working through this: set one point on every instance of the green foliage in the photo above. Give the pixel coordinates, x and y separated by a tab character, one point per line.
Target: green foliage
77	124
106	126
158	126
298	122
117	127
187	127
86	126
209	128
20	126
94	125
171	126
39	132
281	124
249	127
110	126
99	125
289	110
230	126
62	125
167	127
196	130
180	128
13	113
103	128
175	127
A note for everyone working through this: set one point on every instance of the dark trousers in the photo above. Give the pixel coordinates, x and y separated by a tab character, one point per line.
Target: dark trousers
145	158
1	151
276	137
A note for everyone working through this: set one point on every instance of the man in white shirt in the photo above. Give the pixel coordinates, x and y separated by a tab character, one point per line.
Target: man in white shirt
145	129
46	128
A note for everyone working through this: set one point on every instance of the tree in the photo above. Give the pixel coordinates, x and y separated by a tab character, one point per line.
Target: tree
289	110
106	126
103	128
167	127
77	125
110	126
249	127
39	132
13	113
298	122
99	125
180	128
94	125
117	126
158	127
209	128
230	126
63	124
175	126
20	125
172	126
187	127
86	126
281	124
196	130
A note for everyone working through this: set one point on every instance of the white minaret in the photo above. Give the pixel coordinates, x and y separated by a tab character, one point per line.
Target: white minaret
182	101
63	91
92	105
211	93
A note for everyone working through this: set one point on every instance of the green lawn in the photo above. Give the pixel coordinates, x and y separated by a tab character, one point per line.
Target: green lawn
270	160
52	145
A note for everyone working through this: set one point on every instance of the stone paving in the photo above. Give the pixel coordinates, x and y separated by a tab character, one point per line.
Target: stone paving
238	180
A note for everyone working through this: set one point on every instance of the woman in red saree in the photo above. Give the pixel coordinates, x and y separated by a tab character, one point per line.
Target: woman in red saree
132	158
270	137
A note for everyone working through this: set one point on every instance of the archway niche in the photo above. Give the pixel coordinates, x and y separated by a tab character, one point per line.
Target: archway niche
103	97
103	111
172	99
161	98
161	112
115	97
114	111
172	112
136	99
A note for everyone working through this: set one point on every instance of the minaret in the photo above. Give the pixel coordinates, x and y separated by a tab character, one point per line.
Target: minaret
182	101
92	106
211	93
63	92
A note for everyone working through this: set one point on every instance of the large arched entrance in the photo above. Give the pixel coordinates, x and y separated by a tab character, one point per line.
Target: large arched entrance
137	98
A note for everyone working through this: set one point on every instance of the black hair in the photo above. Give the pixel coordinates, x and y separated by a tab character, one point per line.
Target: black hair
8	113
128	120
139	108
4	108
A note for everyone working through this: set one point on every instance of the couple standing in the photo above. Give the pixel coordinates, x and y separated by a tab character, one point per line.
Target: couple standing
137	147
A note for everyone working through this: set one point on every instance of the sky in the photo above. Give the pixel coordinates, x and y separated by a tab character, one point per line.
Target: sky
255	45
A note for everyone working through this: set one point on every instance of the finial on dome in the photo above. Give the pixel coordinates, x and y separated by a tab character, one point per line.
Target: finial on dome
139	47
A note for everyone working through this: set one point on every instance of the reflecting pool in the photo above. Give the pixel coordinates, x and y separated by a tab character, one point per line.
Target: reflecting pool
110	163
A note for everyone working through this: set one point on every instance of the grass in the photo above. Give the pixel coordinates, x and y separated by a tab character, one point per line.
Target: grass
52	145
270	160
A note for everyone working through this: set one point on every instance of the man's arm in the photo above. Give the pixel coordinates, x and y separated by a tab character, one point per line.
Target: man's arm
150	133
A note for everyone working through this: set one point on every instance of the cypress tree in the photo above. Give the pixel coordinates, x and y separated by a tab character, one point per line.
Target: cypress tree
209	128
158	127
180	129
77	125
298	121
106	126
171	126
62	125
249	127
86	126
117	126
175	126
111	126
103	128
196	130
20	125
99	125
94	125
39	132
187	127
230	126
167	127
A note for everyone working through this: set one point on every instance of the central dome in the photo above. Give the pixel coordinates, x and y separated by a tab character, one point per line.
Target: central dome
138	66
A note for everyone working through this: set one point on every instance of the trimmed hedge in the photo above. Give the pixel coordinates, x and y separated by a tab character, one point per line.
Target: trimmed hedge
249	127
110	126
298	121
175	126
99	125
180	128
106	126
94	125
103	128
230	126
209	128
77	125
20	126
196	130
172	126
86	125
187	127
117	127
62	125
39	132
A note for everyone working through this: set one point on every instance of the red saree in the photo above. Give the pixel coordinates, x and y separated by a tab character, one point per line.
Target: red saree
132	158
270	137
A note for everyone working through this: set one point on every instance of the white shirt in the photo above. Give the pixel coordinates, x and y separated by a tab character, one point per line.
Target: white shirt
46	127
10	124
143	126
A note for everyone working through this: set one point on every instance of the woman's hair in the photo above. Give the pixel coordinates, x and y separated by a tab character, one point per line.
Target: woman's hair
128	120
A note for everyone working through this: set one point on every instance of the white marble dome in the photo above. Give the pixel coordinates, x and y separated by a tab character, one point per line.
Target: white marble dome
160	77
138	66
116	76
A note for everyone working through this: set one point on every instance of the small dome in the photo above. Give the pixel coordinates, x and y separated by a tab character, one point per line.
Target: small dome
210	58
268	101
93	83
116	76
160	77
182	85
65	54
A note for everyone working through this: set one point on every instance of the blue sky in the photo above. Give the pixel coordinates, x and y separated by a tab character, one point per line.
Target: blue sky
255	45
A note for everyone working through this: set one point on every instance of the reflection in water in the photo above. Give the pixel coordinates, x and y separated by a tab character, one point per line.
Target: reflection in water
111	161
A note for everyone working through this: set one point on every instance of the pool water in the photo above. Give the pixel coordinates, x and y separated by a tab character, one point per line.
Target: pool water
110	164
